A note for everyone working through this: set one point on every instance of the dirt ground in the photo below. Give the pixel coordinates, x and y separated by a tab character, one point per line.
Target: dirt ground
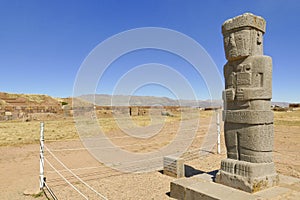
19	164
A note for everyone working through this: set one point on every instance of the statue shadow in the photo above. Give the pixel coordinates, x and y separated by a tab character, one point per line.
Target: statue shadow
190	171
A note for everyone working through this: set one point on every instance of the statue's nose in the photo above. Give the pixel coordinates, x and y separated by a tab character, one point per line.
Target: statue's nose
231	39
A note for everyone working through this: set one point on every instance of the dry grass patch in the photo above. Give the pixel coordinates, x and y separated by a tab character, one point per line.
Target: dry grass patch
291	118
17	132
14	133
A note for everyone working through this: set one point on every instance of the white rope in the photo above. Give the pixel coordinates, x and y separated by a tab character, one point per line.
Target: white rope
65	179
193	151
130	162
78	169
50	192
63	140
129	145
191	154
75	174
117	137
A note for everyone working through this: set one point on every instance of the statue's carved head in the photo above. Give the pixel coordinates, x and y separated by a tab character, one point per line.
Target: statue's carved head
243	36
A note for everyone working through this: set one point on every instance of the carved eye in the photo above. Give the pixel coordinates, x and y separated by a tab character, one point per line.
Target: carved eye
248	68
239	68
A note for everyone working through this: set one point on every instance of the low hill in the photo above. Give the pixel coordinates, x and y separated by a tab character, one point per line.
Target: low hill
7	99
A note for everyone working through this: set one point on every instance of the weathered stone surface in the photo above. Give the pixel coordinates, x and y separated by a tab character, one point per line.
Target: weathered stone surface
247	169
174	166
198	187
248	116
178	187
246	176
247	184
243	36
248	119
245	20
209	191
248	142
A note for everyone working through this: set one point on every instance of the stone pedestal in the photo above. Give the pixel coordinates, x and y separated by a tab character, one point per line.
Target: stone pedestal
203	188
246	176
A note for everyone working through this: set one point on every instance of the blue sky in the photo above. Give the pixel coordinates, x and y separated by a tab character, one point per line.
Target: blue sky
43	43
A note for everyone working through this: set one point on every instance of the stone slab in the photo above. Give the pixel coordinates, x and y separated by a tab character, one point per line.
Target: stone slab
288	180
289	188
274	192
214	191
173	166
32	191
201	187
178	187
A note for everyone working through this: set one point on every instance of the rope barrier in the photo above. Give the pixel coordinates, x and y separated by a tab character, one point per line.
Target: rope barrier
98	167
77	190
78	169
127	165
117	137
50	192
102	148
74	174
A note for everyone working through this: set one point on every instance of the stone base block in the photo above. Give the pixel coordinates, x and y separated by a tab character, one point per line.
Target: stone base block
174	166
178	187
249	177
203	188
247	184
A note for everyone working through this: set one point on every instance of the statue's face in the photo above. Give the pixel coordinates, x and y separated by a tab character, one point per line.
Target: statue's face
237	44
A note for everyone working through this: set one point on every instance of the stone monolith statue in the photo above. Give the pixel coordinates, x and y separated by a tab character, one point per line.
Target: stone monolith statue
248	119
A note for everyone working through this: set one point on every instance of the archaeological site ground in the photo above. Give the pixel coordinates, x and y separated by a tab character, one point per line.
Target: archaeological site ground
20	153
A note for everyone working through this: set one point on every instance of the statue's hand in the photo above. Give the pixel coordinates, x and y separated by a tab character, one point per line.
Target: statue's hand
240	94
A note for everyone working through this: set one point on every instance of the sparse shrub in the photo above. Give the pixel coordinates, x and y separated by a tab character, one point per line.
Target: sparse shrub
64	103
166	113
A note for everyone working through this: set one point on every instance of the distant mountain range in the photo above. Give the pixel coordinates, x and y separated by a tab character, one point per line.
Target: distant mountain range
7	99
125	100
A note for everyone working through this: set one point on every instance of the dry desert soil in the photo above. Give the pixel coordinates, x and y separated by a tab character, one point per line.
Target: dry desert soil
77	168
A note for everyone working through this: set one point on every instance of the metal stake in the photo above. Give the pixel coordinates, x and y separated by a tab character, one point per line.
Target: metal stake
42	183
218	131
